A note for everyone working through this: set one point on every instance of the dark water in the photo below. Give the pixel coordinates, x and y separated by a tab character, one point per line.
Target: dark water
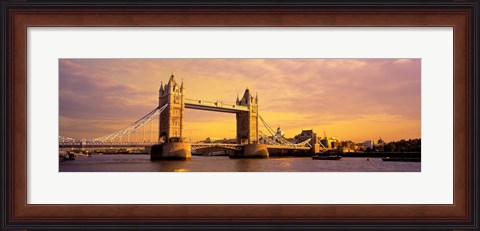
142	163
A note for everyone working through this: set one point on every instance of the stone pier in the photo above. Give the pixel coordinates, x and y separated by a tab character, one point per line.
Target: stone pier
252	151
315	149
171	151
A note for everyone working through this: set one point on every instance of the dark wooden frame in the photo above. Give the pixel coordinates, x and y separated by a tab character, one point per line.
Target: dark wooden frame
16	16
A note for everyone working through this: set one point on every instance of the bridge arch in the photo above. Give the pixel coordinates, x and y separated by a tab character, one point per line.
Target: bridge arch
210	150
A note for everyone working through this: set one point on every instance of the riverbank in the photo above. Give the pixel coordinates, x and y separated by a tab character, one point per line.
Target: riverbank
381	154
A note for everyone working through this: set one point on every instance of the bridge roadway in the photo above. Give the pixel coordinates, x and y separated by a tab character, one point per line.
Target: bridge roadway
146	144
105	144
237	146
214	106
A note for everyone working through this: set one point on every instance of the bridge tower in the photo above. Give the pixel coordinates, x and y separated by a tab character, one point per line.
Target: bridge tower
172	118
247	128
247	122
170	126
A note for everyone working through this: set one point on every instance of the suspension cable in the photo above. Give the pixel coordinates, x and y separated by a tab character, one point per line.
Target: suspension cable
134	126
278	139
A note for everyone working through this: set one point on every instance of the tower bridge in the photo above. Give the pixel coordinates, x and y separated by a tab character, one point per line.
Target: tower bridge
171	144
171	122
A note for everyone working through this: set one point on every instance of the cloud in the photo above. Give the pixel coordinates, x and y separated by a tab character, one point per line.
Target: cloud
293	93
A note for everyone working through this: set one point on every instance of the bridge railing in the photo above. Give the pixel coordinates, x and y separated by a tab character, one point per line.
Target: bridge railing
106	144
217	104
215	144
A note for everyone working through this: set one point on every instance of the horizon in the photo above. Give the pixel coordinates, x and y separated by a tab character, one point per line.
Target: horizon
352	99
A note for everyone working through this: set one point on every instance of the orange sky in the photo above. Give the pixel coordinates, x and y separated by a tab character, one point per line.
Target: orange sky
353	99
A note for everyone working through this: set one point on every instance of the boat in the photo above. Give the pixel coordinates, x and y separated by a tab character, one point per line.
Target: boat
69	156
404	159
326	157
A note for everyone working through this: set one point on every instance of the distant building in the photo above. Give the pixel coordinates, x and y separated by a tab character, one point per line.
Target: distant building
380	142
348	150
279	132
212	139
348	146
305	135
361	147
332	142
369	144
227	141
380	145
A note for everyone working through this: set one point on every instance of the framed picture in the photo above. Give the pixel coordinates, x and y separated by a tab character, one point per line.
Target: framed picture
332	115
215	128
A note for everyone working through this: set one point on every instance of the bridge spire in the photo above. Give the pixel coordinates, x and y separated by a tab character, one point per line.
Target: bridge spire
171	83
247	98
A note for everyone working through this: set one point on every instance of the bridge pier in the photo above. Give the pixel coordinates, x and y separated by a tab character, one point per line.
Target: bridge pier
315	149
252	151
171	151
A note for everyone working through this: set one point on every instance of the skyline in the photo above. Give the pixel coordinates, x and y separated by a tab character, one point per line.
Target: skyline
352	99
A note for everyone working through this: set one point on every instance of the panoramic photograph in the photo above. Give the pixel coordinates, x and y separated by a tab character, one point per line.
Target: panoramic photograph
240	115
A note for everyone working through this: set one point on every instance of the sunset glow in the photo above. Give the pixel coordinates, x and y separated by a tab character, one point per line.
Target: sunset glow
352	99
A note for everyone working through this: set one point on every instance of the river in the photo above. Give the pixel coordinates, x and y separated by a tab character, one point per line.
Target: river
142	163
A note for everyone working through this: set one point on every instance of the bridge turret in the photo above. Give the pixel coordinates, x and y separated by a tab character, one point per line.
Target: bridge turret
161	90
246	98
172	84
171	119
247	122
170	124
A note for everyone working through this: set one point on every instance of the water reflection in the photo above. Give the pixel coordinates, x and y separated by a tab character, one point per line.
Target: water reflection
142	163
246	165
171	166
